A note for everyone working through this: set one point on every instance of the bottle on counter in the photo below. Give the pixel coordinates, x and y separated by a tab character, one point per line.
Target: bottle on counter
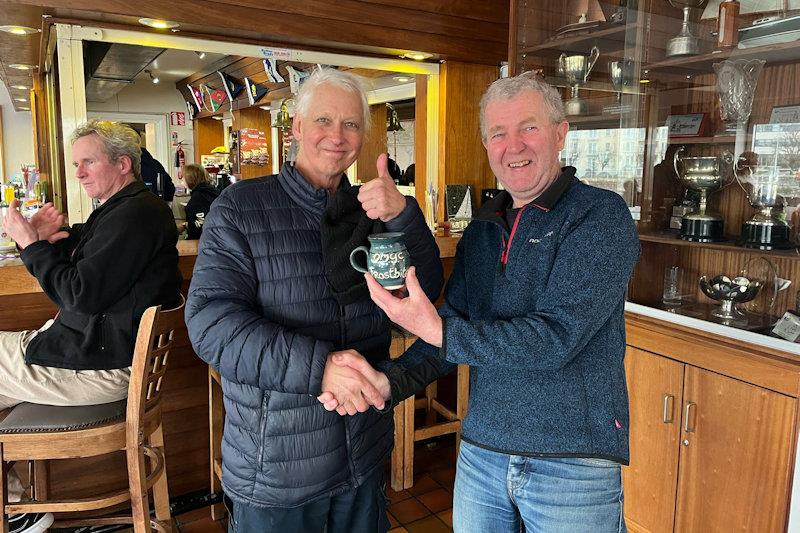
728	24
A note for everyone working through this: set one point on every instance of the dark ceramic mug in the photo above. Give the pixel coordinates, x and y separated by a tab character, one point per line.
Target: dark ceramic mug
387	259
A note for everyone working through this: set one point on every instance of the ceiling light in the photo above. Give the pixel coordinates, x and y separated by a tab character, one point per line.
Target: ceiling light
21	87
20	99
403	79
417	56
201	55
19	30
154	79
216	117
24	108
21	66
158	23
264	107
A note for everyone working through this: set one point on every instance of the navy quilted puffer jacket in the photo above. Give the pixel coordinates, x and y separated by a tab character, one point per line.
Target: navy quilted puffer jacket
261	313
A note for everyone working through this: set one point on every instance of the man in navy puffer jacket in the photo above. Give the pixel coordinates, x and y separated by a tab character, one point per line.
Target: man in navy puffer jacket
535	307
267	309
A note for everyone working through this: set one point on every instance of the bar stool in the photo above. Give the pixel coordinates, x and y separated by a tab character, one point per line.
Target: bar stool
405	432
40	433
216	420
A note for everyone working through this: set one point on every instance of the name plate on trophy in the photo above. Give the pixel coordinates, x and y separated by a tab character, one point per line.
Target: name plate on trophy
693	125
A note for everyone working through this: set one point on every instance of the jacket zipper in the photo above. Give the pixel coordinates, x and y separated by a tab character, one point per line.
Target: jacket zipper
350	465
507	245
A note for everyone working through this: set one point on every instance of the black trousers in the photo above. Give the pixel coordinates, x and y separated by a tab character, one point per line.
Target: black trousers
362	510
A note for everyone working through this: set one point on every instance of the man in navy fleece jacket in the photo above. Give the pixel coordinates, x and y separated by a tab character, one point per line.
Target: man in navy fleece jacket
535	306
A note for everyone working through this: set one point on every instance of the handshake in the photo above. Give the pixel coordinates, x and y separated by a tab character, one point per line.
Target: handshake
350	385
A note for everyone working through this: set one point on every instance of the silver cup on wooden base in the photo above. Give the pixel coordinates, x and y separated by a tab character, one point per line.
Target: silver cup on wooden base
703	175
576	68
766	230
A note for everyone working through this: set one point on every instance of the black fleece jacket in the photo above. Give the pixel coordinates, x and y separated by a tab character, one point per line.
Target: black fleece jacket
123	262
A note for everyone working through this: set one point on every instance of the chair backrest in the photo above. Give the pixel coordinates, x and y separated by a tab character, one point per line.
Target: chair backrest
150	357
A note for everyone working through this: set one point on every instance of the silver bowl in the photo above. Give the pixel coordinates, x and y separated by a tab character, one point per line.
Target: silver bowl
729	291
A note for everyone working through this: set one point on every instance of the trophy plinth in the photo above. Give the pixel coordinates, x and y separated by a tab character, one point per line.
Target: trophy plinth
704	175
766	230
576	68
685	43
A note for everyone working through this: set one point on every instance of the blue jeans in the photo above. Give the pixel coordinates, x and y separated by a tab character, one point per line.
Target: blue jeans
498	492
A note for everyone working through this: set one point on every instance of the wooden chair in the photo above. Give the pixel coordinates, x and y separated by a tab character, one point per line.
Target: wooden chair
216	421
405	432
40	433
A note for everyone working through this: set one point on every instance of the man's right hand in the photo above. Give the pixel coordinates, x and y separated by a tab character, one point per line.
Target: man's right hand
48	222
350	391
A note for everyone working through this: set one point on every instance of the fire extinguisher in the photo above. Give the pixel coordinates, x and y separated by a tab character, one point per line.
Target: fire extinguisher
180	157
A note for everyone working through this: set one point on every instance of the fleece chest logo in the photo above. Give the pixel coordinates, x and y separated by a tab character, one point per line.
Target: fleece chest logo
537	241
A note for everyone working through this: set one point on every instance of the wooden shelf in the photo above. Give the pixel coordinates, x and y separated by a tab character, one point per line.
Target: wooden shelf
772	53
672	239
608	37
611	118
715	139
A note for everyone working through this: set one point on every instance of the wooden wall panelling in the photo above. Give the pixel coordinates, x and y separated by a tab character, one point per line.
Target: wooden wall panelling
462	157
468	30
375	143
421	141
258	119
208	134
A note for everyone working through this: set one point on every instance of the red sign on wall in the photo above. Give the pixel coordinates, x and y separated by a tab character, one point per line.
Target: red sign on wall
177	118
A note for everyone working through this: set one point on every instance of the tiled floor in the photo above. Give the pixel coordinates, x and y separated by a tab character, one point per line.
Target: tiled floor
424	508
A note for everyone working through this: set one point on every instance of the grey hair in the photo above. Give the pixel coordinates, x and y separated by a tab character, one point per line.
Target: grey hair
508	88
118	140
331	76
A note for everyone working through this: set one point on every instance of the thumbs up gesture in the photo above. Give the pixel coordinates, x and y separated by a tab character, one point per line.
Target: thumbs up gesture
380	197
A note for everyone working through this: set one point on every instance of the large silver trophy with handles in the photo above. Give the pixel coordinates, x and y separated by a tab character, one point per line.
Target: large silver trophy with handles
576	68
766	230
736	85
703	175
685	43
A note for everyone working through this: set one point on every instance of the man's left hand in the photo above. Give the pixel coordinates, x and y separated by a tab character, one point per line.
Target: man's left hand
380	197
415	313
18	228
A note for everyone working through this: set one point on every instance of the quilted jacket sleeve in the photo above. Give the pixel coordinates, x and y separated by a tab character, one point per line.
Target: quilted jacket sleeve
223	321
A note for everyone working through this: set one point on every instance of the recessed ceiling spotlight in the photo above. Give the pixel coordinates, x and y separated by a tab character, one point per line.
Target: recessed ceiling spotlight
216	117
403	78
417	56
21	66
20	99
21	87
24	108
19	30
159	24
264	107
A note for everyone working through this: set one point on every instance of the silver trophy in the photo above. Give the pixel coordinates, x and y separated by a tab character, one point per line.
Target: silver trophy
766	230
703	175
685	43
622	76
576	68
736	85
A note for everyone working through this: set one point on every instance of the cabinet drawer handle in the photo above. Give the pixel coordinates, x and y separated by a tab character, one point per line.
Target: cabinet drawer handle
688	421
669	402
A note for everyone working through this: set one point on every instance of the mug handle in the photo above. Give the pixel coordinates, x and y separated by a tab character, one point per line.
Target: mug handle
353	261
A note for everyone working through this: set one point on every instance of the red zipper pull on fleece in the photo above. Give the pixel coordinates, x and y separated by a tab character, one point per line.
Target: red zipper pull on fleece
507	246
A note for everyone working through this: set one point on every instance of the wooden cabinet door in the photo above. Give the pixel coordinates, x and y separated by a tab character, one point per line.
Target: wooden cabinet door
735	458
654	389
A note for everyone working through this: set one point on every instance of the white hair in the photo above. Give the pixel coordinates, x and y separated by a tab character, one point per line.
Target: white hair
331	76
